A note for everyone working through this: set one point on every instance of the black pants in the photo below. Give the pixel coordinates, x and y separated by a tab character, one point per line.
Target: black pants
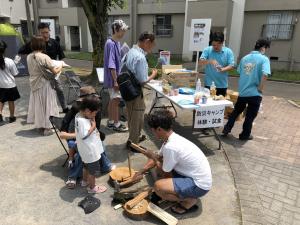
252	104
220	91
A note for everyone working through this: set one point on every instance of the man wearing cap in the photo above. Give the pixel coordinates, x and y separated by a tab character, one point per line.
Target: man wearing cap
254	69
112	60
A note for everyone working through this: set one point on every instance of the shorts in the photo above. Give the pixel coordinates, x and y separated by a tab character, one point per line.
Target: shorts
114	94
185	187
9	94
93	168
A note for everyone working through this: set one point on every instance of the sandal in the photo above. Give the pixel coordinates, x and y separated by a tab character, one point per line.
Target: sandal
97	189
71	184
185	210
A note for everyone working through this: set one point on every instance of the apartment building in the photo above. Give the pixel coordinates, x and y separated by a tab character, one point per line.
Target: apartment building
242	21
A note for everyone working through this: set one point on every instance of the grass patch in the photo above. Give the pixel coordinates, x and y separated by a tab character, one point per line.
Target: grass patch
297	102
79	55
276	75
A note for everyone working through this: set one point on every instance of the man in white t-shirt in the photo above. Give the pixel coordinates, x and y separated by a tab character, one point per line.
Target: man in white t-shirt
186	170
89	143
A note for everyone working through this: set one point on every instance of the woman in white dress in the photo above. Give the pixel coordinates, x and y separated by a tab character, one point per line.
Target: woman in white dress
42	101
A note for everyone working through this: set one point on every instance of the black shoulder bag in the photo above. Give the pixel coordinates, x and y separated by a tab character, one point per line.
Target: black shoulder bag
130	88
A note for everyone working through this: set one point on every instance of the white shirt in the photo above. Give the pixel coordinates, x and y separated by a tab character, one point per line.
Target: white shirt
7	79
186	159
89	147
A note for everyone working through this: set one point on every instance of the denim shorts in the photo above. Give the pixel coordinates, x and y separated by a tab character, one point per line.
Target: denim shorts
93	168
185	187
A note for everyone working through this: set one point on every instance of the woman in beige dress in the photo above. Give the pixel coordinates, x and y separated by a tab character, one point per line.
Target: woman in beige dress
42	101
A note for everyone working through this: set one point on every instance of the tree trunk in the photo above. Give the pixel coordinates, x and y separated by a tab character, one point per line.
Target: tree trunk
28	15
96	12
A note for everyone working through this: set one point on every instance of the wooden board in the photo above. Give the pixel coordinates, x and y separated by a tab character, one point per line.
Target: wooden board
121	174
161	214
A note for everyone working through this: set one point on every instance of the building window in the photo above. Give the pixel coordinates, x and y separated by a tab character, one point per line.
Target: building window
279	26
163	26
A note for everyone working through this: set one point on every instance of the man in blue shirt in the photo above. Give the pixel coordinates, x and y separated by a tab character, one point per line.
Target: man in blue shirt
254	69
218	60
136	62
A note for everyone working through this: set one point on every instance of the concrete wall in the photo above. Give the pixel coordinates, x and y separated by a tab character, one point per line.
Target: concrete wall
15	10
50	4
284	50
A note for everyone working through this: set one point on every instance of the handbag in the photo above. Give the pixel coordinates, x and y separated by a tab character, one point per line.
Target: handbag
47	74
130	88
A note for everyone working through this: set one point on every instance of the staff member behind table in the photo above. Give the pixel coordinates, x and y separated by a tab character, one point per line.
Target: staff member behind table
186	171
54	51
254	69
136	62
218	60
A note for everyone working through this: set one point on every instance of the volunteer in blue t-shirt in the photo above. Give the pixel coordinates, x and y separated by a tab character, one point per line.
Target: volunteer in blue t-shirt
254	69
218	60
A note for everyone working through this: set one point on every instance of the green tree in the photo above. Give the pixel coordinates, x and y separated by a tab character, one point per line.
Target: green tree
96	12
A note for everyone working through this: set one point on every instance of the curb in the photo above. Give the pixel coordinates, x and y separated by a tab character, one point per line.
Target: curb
294	103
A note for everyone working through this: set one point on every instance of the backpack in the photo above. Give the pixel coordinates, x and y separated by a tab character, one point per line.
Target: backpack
130	88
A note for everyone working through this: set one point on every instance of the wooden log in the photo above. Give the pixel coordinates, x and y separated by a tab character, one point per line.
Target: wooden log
121	174
133	202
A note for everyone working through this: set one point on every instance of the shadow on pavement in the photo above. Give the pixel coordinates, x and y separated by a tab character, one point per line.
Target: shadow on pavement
116	153
55	167
70	195
233	141
32	133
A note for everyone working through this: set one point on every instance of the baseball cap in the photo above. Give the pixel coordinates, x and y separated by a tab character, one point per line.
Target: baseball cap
120	24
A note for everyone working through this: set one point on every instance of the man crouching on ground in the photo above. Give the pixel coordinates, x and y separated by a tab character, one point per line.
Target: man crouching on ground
186	171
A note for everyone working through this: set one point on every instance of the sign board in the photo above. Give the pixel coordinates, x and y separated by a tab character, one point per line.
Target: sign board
209	116
165	56
51	23
199	36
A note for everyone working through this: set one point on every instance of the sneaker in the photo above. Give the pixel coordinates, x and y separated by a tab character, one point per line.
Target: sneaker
1	118
97	189
120	128
12	119
242	138
110	125
70	183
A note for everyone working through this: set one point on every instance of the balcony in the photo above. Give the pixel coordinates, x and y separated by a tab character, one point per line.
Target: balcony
278	31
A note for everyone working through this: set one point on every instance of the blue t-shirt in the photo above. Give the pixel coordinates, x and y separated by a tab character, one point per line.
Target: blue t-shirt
112	60
225	58
251	69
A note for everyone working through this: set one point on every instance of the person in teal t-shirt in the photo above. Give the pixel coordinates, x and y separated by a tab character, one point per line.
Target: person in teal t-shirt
254	69
218	60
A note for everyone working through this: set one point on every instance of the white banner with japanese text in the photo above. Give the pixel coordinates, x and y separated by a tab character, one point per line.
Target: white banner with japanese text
209	116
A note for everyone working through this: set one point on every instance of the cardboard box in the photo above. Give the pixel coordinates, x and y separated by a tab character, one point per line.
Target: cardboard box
176	76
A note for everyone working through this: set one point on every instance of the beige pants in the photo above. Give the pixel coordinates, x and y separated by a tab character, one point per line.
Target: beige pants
135	112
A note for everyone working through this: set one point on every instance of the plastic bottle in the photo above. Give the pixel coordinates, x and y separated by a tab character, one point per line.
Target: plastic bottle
198	85
213	90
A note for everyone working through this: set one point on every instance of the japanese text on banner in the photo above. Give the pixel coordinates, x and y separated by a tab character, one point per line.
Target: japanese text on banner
209	116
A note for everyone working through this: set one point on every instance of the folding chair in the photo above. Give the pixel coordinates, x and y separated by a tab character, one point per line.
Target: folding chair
74	84
56	125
